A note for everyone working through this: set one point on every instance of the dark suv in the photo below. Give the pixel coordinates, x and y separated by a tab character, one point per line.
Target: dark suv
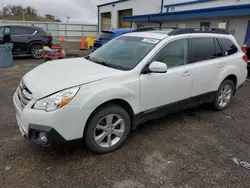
25	39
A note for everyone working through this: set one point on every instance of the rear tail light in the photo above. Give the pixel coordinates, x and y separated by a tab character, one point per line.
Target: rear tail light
244	48
245	58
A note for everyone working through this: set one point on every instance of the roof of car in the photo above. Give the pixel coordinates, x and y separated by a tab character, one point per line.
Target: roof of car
27	26
120	30
156	34
165	32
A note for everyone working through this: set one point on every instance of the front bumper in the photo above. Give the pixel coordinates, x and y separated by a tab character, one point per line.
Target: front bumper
53	137
58	126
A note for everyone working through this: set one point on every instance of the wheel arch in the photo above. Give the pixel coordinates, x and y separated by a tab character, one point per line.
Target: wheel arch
34	43
233	78
119	102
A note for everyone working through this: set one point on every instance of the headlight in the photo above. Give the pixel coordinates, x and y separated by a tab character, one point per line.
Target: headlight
57	100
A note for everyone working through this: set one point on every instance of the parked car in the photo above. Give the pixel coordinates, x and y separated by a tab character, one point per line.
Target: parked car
25	39
107	35
104	96
246	49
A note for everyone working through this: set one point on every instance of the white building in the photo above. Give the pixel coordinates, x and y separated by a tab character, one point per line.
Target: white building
233	15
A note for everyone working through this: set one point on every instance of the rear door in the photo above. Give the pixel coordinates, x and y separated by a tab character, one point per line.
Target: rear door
206	57
20	37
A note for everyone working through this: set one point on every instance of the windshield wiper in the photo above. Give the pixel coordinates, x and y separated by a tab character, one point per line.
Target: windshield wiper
100	62
105	64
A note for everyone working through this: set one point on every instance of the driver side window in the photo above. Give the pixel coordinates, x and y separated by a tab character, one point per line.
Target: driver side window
174	54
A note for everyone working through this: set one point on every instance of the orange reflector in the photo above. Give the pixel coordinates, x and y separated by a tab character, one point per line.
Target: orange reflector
65	101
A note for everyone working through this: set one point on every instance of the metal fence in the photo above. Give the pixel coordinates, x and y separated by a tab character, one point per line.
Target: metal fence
70	31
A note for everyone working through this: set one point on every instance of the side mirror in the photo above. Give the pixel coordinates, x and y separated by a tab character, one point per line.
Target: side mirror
158	67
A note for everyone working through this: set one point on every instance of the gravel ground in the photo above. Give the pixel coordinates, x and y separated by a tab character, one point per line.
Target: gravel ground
192	148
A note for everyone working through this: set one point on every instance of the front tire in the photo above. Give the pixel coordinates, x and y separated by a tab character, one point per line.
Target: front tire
36	51
224	95
107	129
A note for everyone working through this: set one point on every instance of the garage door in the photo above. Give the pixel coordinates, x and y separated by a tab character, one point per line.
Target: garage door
122	13
106	21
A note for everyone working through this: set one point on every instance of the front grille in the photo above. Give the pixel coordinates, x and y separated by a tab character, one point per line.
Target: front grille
24	95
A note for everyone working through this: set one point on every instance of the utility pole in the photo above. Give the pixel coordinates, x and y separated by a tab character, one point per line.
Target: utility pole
23	16
68	19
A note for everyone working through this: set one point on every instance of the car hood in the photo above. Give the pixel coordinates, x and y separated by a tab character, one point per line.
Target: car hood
57	75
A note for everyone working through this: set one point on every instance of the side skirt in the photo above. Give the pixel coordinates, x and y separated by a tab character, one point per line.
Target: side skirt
162	111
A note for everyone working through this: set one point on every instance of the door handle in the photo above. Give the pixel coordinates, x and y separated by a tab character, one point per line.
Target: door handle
221	65
186	73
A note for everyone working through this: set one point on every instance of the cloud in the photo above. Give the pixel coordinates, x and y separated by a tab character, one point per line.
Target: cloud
81	11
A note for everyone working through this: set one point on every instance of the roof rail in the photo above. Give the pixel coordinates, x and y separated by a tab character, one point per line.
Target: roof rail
144	29
198	30
152	29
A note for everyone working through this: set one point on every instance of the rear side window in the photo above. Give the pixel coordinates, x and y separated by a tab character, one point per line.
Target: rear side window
105	36
16	30
202	49
227	46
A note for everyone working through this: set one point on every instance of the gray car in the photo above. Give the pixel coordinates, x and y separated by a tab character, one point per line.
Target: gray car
25	39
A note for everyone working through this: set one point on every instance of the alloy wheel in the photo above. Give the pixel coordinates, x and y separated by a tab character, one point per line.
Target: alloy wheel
225	95
36	52
109	130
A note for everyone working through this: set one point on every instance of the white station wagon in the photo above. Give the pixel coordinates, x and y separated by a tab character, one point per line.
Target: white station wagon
132	79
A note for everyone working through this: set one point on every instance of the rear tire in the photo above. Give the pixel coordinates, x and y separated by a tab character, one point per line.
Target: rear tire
224	95
36	51
107	129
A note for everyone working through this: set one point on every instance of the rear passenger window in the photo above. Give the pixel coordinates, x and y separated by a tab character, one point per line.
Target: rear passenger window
227	46
202	49
17	30
218	49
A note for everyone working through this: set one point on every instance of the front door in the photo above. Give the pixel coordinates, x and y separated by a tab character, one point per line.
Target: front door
161	93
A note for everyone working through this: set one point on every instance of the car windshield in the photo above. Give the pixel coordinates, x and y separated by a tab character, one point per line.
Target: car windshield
105	36
123	53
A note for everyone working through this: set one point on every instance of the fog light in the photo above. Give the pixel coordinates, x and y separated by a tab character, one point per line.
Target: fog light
43	138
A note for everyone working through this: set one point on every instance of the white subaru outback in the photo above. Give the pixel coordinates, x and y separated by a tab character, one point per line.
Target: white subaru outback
130	80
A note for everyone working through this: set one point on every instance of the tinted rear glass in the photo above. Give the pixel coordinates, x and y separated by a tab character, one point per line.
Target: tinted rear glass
227	46
202	49
105	36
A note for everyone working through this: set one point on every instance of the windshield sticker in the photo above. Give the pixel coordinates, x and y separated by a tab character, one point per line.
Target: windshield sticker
152	41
